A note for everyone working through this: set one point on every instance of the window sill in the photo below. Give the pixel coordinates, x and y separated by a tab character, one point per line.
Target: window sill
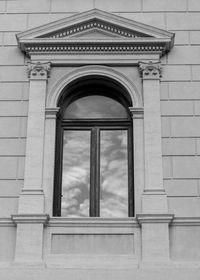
93	222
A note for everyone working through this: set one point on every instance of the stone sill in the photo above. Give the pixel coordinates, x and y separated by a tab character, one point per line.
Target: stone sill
92	222
101	222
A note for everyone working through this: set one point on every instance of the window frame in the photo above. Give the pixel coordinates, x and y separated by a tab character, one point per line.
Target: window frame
93	125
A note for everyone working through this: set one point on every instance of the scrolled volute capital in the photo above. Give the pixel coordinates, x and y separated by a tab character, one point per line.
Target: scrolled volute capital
39	70
150	70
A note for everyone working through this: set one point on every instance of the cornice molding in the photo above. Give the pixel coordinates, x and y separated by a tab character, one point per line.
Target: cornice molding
94	46
92	16
186	221
154	218
6	222
98	222
95	32
30	218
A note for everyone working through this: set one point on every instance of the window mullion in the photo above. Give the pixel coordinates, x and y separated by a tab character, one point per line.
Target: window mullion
130	175
94	169
58	171
97	172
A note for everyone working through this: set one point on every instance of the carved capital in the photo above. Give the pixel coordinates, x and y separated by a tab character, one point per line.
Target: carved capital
30	218
38	70
154	218
150	70
50	113
137	113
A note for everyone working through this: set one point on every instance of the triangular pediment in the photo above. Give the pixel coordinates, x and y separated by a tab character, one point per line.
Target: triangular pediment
82	31
95	34
95	24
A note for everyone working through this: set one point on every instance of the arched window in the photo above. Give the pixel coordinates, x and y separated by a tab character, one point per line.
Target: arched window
94	168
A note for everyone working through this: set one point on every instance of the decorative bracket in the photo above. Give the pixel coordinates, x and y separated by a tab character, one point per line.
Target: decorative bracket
150	70
39	70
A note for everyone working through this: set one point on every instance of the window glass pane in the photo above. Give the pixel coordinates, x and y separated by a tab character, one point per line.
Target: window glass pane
95	107
114	174
75	174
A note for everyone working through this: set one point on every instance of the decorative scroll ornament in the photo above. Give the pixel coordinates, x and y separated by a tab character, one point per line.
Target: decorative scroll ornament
150	70
38	70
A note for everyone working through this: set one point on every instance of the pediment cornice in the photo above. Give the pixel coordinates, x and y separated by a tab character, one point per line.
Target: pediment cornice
95	32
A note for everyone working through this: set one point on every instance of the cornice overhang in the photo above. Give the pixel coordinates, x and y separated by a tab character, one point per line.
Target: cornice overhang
95	32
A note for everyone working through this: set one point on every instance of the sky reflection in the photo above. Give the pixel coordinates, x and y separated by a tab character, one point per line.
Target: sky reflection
95	106
114	174
76	173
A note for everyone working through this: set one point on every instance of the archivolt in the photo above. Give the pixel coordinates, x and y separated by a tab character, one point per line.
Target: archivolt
104	71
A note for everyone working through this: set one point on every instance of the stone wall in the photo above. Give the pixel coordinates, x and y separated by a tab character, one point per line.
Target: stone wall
180	100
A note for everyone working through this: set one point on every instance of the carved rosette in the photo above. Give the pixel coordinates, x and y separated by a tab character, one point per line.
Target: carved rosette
39	70
150	70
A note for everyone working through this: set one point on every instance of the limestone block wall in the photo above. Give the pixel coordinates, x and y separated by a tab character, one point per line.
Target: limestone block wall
180	99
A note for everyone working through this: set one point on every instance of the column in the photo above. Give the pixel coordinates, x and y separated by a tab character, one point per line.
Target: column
155	218
31	218
49	155
138	154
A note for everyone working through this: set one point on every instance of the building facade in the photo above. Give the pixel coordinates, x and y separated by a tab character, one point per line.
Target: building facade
99	171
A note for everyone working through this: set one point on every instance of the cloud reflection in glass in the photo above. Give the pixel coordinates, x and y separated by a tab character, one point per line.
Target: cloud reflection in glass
95	106
76	174
113	160
114	174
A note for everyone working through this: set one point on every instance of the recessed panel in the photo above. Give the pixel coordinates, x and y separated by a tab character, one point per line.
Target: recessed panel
93	244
